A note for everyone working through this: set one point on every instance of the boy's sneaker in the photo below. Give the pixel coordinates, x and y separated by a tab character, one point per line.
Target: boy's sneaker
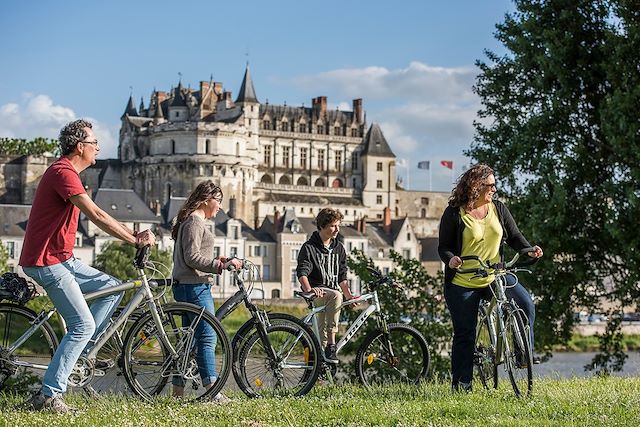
330	353
40	402
220	399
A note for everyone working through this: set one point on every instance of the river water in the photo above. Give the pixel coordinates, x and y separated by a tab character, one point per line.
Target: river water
569	364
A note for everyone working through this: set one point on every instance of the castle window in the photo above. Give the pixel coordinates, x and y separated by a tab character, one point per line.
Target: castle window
423	213
302	127
320	129
303	158
424	200
207	146
336	130
379	183
338	161
379	166
354	132
275	293
173	147
267	155
354	160
237	149
285	126
285	156
321	159
378	199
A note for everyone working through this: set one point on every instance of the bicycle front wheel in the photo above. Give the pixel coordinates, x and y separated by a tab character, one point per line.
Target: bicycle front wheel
401	356
23	366
281	360
187	355
519	360
484	356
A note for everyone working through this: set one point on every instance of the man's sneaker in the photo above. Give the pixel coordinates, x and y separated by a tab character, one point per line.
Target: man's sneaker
40	402
537	359
330	354
220	399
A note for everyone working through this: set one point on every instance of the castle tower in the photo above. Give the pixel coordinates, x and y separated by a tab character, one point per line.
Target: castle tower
379	189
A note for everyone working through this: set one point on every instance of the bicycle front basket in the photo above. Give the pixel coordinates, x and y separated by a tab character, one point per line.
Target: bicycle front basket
15	288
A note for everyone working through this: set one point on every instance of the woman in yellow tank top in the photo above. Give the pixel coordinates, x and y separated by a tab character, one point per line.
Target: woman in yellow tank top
475	224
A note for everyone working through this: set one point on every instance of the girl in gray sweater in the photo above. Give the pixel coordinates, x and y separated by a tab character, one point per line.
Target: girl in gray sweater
193	270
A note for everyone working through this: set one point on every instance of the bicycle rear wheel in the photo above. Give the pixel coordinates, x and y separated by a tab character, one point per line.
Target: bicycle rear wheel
484	356
16	370
519	360
401	356
290	368
151	369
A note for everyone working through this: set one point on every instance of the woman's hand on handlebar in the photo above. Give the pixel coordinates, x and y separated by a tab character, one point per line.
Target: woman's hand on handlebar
536	253
455	262
233	264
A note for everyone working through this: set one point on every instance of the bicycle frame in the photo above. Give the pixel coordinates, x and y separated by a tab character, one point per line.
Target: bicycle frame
374	307
143	294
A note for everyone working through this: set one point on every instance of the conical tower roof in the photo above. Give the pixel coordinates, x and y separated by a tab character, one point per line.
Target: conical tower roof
130	109
375	143
247	92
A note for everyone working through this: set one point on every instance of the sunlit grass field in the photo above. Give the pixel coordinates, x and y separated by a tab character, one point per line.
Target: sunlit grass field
576	402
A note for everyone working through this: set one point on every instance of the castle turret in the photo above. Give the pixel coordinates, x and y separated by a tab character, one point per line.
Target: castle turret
130	109
379	190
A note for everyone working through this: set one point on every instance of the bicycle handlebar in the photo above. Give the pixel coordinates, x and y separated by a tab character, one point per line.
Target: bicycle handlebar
486	265
142	256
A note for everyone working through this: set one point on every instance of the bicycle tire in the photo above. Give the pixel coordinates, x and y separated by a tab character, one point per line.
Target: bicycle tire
484	356
39	347
297	364
409	363
149	366
518	357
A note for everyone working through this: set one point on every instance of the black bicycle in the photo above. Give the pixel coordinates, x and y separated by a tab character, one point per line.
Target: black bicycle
274	354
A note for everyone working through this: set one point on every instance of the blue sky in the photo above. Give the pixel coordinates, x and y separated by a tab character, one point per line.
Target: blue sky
412	62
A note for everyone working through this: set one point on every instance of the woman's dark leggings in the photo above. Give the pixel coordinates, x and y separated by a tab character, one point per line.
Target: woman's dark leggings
463	305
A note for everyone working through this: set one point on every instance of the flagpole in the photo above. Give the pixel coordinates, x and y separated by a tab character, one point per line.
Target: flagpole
430	179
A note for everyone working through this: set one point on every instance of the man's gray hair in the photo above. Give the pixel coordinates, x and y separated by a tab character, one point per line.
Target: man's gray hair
71	134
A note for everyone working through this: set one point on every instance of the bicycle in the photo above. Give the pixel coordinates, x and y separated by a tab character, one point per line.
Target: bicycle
391	353
274	354
158	346
503	335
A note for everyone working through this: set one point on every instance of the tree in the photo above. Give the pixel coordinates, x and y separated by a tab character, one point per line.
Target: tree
22	147
559	126
116	259
421	299
4	258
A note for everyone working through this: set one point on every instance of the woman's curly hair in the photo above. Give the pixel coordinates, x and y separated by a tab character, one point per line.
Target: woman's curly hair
204	192
469	186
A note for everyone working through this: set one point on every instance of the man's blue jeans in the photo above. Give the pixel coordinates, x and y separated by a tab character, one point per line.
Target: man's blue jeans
205	337
65	285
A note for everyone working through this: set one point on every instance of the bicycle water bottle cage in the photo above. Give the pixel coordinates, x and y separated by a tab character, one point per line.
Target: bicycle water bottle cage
16	289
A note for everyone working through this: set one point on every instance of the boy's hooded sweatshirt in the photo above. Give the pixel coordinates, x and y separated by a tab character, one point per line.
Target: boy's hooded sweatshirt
326	267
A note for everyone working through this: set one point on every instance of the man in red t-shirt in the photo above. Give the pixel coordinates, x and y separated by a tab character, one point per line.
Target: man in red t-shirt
47	257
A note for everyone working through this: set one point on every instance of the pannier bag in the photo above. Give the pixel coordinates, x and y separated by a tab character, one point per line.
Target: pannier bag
15	288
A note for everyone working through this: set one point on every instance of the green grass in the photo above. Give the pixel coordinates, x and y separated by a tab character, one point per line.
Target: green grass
576	402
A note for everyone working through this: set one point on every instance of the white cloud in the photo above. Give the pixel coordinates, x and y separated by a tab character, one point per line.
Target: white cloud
38	116
425	112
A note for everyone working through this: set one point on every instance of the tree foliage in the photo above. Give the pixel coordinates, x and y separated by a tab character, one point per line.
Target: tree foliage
4	258
23	147
560	126
420	299
116	259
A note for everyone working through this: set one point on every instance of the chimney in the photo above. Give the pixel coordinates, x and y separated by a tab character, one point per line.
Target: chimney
232	205
357	225
363	224
156	206
228	102
204	87
256	223
160	97
217	88
323	105
276	221
357	110
386	220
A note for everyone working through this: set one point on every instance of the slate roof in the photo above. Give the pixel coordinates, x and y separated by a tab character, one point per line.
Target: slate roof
247	92
429	249
13	219
375	143
124	205
130	108
313	199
